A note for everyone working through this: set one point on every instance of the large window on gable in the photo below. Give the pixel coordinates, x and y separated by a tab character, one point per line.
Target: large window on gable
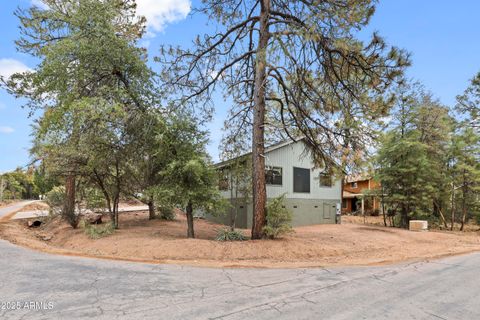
301	180
273	175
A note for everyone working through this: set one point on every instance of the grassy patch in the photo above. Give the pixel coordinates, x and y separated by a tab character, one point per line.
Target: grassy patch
229	235
97	231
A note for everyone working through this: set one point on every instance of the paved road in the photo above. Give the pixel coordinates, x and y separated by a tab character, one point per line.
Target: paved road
14	207
99	289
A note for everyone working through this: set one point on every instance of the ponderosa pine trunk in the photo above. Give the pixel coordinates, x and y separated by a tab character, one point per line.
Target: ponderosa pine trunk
69	205
404	217
116	202
190	231
258	139
452	218
464	202
151	209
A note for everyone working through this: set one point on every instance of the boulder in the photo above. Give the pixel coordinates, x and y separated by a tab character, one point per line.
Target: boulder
93	218
418	225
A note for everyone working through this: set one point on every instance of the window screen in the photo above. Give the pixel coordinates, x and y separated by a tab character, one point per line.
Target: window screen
325	180
301	180
223	180
273	175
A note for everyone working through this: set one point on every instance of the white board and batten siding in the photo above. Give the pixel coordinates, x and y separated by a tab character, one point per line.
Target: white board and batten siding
294	155
320	205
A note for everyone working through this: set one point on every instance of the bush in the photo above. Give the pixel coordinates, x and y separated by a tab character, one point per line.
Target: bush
477	218
279	219
94	200
229	235
97	231
56	199
166	213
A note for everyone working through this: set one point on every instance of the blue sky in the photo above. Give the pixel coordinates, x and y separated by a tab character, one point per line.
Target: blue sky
443	37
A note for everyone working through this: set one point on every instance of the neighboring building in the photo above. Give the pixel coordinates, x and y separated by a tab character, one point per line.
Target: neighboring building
312	195
357	194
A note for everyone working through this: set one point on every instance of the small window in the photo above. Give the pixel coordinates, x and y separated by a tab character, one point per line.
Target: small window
325	180
223	180
301	180
273	175
354	185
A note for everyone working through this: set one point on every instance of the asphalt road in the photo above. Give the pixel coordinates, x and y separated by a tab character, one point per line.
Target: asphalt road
79	288
14	207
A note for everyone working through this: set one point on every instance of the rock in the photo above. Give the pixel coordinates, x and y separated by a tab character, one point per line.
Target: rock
418	225
34	224
93	218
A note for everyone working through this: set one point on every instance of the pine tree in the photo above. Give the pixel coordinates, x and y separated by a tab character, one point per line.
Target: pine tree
299	62
413	154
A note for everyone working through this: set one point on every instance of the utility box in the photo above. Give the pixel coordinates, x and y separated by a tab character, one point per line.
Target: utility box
418	225
338	214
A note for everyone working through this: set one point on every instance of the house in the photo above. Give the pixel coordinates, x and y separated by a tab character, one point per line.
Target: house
359	194
312	195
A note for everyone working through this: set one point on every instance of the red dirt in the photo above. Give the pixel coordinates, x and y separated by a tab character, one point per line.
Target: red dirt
36	206
160	241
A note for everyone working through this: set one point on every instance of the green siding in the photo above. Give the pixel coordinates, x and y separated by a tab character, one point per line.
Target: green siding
304	212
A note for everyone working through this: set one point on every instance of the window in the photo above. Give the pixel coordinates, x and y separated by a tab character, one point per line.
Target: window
301	180
273	175
325	180
223	180
344	204
354	185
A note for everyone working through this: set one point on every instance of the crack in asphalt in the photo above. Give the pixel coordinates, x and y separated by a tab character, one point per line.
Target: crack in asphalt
88	288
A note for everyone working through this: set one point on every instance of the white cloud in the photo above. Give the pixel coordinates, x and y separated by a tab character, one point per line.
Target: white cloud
11	66
6	130
161	12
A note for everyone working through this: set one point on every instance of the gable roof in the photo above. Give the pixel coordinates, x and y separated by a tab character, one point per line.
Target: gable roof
268	149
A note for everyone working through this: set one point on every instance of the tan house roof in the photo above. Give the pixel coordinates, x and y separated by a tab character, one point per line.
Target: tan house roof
357	177
350	195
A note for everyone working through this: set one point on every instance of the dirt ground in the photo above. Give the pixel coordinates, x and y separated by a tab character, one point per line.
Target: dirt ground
160	241
36	206
378	221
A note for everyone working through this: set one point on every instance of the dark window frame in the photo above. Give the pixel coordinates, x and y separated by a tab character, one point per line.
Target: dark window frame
272	183
325	174
223	180
303	190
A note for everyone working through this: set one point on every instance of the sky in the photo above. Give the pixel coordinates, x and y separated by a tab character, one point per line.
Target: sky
442	36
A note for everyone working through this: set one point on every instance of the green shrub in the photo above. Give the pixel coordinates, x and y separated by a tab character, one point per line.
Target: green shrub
166	213
94	200
279	219
477	218
229	235
56	199
97	231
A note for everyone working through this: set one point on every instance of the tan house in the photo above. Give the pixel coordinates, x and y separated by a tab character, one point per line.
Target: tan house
357	194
